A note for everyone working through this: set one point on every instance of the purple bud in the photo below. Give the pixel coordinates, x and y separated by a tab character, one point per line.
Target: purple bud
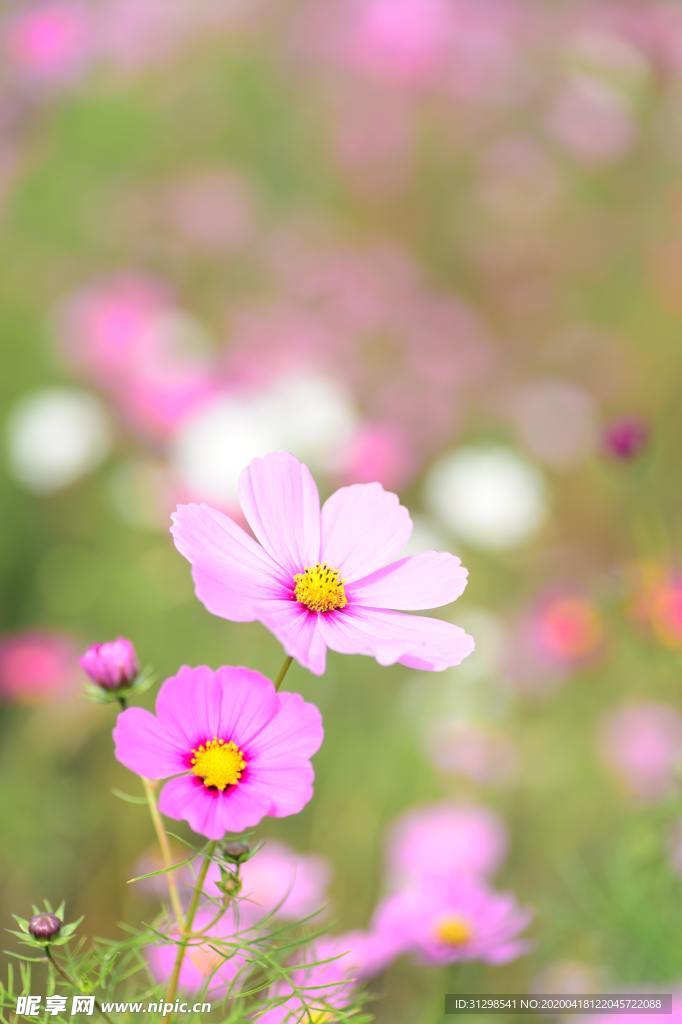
626	438
236	851
111	665
44	926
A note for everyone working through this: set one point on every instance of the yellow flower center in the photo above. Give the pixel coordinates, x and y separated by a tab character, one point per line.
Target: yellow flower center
320	588
219	763
453	931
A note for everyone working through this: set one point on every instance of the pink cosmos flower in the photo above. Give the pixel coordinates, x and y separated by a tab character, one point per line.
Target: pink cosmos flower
203	966
326	981
233	748
279	880
51	42
445	842
323	578
641	742
112	664
460	920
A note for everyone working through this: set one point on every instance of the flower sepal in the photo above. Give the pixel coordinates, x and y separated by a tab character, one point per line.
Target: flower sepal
144	681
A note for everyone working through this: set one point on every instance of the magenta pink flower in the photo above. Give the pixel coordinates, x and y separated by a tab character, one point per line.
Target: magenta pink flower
445	842
233	748
112	664
323	578
279	880
460	920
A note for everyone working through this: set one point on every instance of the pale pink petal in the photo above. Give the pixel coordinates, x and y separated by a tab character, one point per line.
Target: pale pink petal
232	573
189	704
289	785
297	630
146	746
414	583
413	640
279	498
363	528
296	733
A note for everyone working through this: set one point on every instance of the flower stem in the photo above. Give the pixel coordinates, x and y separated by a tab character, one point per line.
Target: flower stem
282	672
71	983
186	930
165	851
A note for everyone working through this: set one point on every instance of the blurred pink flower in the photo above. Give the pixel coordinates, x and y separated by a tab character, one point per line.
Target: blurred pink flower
567	629
657	601
446	922
592	122
37	666
111	664
626	438
323	578
380	452
444	842
50	43
641	742
202	965
279	880
233	749
465	748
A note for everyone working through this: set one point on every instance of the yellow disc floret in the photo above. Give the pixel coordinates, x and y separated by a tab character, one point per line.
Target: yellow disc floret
219	763
320	588
453	931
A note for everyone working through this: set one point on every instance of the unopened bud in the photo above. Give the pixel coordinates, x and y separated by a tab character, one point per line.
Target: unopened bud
111	665
44	926
236	852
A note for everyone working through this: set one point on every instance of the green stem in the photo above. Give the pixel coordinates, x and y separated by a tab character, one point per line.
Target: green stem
282	672
71	983
165	851
186	932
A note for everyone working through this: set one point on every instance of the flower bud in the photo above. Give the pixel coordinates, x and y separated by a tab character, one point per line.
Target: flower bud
112	665
230	884
236	852
626	438
44	927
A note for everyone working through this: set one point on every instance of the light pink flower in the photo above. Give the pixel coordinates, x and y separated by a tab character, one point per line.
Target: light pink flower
36	666
444	842
327	979
234	750
323	578
203	966
279	880
51	42
641	742
447	922
111	664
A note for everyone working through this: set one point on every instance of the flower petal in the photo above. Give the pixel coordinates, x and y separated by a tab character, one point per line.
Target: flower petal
428	580
209	813
231	572
189	705
295	733
279	498
146	746
363	528
298	632
289	786
249	701
413	640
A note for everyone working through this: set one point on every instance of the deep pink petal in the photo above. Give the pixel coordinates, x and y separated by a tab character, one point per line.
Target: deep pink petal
413	640
363	528
280	501
231	572
414	583
213	814
249	701
298	631
146	746
295	733
289	785
189	705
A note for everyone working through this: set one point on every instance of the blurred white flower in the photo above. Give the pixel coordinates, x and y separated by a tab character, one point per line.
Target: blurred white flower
487	495
307	414
55	436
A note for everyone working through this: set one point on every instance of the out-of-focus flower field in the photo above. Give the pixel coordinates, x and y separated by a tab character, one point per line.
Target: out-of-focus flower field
432	243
